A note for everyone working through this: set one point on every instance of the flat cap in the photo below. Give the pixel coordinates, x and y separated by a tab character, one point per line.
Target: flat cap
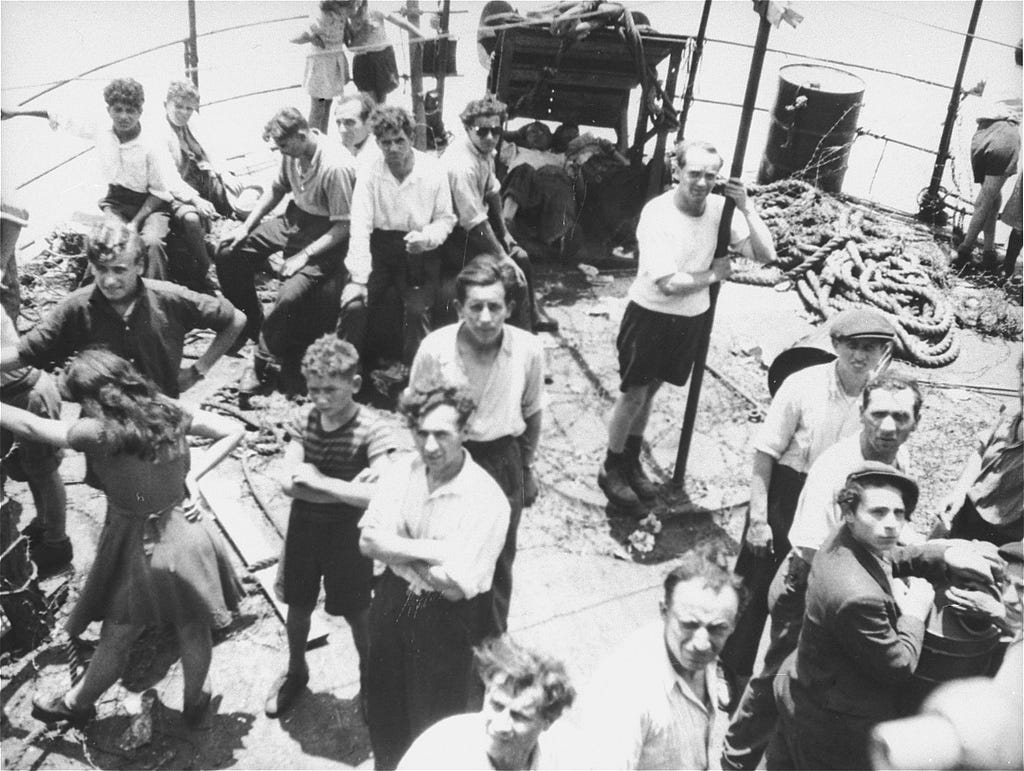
883	472
861	324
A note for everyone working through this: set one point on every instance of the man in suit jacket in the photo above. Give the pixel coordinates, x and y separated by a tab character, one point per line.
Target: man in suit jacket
863	630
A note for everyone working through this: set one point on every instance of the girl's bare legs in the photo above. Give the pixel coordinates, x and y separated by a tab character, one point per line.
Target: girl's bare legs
106	665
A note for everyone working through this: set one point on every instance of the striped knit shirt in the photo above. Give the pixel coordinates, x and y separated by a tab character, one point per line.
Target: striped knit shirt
341	453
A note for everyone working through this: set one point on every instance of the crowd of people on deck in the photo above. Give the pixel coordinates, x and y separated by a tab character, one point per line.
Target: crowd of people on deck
392	255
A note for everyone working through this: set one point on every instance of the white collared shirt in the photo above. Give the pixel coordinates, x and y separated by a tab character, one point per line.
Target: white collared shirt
513	390
420	202
469	511
639	713
810	413
141	164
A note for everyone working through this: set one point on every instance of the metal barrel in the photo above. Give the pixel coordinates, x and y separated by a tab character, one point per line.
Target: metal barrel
813	126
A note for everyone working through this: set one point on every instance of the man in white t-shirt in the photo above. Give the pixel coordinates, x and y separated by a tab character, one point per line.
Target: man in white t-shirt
677	235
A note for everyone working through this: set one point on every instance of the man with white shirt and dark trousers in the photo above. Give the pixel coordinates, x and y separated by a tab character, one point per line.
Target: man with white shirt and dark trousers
401	213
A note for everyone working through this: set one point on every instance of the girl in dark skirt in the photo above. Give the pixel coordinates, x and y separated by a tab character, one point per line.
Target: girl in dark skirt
157	561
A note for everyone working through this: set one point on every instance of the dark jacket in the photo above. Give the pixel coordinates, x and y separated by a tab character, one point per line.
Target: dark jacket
856	650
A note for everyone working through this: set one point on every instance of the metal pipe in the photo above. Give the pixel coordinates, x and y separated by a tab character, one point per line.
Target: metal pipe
191	47
698	49
742	135
928	205
416	78
441	51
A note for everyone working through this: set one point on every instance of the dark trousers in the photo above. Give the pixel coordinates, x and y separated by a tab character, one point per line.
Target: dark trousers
752	726
414	277
455	255
307	301
420	665
757	571
502	458
124	204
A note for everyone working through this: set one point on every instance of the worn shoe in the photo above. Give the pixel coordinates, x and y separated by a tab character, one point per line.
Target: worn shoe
285	691
50	557
192	714
613	482
644	487
53	709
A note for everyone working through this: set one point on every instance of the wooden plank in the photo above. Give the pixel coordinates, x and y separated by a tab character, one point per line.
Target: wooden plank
238	520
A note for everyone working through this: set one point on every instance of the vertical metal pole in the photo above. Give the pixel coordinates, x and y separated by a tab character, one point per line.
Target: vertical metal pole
416	77
698	50
742	134
442	50
192	46
930	203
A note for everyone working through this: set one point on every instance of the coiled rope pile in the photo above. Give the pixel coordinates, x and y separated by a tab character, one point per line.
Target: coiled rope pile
839	255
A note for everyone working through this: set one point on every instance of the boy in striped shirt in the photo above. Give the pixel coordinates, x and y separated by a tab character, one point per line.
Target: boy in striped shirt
332	447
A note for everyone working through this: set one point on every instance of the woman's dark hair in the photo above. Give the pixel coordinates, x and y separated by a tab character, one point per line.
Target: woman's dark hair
136	419
124	91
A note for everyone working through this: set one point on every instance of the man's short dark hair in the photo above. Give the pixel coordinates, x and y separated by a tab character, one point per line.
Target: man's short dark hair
182	91
894	381
521	668
489	106
124	91
112	239
366	104
385	118
422	397
484	270
711	565
286	123
695	144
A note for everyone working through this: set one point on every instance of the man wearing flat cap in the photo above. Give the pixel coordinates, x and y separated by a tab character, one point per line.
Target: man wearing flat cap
812	410
868	602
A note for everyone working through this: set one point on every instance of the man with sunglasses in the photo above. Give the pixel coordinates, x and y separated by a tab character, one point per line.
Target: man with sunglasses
476	194
313	234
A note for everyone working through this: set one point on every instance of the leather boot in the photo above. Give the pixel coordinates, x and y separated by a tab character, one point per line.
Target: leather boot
641	484
613	481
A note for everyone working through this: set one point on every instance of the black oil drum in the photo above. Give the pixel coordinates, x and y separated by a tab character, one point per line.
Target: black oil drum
813	126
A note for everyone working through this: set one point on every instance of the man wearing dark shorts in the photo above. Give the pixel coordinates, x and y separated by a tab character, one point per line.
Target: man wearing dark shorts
995	150
332	446
677	236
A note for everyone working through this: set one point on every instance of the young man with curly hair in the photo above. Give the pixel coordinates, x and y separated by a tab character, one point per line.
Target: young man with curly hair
401	214
526	693
133	165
